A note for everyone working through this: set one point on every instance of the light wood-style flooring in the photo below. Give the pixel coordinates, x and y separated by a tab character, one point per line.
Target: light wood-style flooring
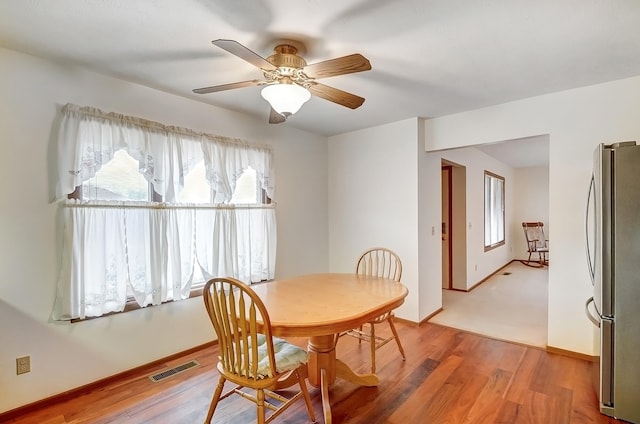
450	376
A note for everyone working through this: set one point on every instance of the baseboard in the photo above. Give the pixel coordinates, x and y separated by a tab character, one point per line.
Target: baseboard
491	275
417	324
69	394
406	321
572	354
491	337
431	315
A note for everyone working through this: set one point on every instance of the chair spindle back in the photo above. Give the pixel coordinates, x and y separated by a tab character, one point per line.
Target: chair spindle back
380	262
234	309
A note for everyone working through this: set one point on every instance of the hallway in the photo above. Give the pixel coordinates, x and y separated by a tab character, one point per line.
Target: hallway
511	305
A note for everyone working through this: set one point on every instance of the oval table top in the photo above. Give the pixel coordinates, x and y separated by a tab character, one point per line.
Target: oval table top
324	304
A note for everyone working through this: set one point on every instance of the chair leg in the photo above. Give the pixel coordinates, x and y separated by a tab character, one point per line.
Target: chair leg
305	395
395	335
260	403
535	263
373	348
215	399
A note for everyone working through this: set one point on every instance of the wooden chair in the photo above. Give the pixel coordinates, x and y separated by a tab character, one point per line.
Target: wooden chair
536	243
250	359
379	262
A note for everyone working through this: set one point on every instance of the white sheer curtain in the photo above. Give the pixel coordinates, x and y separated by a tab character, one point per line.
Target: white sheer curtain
89	138
151	250
225	163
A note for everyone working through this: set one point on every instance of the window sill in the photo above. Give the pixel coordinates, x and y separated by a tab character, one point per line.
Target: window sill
494	246
132	305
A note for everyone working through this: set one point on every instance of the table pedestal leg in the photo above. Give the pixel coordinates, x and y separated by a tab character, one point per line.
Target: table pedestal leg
324	367
344	372
326	406
321	368
290	380
322	355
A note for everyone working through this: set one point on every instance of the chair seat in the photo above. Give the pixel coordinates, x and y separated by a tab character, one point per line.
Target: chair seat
288	356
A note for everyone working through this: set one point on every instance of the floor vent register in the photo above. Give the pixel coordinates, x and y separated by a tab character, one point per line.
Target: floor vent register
173	371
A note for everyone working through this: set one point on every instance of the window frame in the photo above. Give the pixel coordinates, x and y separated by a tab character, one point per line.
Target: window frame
488	209
81	157
262	198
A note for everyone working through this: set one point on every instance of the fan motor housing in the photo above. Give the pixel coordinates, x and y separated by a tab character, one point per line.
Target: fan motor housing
285	56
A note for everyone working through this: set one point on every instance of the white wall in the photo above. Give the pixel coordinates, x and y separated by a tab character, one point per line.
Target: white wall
373	195
480	264
429	230
576	121
385	190
459	227
65	356
527	199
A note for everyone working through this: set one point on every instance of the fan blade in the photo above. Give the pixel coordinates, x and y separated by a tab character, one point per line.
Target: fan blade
224	87
339	66
275	117
244	53
336	96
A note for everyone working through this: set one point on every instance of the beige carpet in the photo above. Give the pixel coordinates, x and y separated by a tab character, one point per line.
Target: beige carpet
511	305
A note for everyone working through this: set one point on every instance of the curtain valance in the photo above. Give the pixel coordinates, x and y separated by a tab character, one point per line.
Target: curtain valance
89	137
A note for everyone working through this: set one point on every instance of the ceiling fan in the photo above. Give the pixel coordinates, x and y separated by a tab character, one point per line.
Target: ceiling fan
289	81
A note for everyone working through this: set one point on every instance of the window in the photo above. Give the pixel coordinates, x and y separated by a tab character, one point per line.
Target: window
120	179
493	211
155	210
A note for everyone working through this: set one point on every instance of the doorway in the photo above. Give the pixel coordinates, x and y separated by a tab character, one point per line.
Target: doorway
446	227
522	315
454	230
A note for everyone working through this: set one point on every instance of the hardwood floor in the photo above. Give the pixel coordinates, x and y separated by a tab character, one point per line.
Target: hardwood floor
450	376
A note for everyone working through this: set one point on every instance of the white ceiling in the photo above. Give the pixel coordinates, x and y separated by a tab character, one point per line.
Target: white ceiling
520	153
429	57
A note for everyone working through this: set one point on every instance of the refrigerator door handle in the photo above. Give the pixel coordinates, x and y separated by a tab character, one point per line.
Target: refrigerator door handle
591	265
593	319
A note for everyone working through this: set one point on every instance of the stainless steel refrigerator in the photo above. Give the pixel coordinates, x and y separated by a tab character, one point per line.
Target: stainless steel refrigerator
613	256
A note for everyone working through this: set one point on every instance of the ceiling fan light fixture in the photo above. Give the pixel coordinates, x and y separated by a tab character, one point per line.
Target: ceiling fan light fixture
286	99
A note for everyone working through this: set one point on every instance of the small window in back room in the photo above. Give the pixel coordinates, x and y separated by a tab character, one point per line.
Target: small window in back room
494	205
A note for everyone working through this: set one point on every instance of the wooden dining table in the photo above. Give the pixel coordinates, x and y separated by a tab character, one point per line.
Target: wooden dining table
320	307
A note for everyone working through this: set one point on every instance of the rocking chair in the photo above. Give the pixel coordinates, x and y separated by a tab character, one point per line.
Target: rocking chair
536	244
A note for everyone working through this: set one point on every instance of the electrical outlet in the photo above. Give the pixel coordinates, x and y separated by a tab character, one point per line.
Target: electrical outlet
23	365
